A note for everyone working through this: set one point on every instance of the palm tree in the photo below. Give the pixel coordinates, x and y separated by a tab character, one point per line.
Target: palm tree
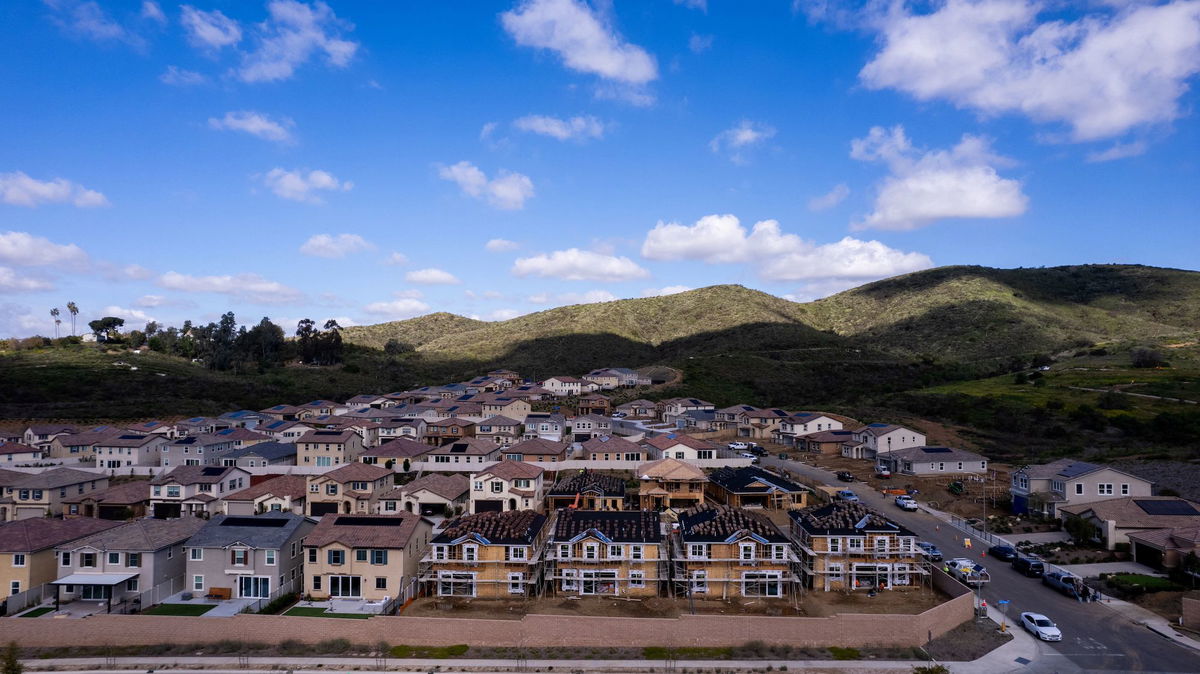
57	321
74	309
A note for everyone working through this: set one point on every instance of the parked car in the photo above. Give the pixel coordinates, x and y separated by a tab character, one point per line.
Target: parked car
906	502
1028	566
847	495
758	450
1040	626
931	551
882	472
845	476
1004	553
746	455
738	445
618	415
968	571
1063	582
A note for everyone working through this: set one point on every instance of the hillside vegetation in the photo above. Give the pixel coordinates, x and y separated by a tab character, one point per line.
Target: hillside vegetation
413	332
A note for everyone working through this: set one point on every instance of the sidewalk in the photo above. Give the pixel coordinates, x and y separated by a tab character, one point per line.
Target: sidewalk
1016	655
1158	624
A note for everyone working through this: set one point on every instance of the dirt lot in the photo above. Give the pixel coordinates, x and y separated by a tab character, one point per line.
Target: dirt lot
812	604
968	641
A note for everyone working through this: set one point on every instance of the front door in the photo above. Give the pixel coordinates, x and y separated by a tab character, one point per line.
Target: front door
254	587
345	587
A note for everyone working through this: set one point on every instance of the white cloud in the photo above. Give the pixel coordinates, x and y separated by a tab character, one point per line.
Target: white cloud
575	128
668	290
209	30
507	191
431	276
820	289
18	189
300	186
151	11
150	301
486	131
733	141
1118	151
131	316
700	43
589	297
485	295
251	287
778	256
128	272
18	320
335	246
89	20
12	281
176	76
26	250
574	264
583	40
926	186
830	199
255	124
701	5
1108	70
397	309
502	315
501	245
293	33
396	258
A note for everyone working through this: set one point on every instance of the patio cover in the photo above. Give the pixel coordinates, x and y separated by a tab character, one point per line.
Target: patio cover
94	579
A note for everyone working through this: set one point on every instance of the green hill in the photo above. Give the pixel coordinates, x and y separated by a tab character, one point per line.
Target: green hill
413	332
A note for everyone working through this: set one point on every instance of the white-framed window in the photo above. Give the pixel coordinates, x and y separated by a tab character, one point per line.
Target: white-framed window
564	551
1124	489
516	552
854	544
64	558
835	545
699	581
314	489
835	571
497	487
881	544
591	551
14	587
1104	489
570	580
478	486
635	552
470	553
114	559
132	584
778	552
197	583
697	551
270	555
516	583
439	552
18	559
615	552
746	552
637	579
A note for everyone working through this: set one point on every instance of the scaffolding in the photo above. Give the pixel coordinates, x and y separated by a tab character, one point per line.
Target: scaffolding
602	575
765	571
449	570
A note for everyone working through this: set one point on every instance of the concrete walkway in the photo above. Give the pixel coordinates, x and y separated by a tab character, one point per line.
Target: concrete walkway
1094	570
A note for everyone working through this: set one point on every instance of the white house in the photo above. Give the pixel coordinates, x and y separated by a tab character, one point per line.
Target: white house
1043	489
507	485
879	438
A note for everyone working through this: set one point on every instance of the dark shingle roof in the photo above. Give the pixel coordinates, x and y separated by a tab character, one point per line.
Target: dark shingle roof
270	530
147	534
751	480
57	477
38	534
295	486
364	531
271	451
399	448
126	493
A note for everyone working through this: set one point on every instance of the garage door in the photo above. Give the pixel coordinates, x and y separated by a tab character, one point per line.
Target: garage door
319	509
489	506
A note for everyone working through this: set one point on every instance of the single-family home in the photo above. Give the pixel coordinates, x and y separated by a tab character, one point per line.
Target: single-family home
565	386
799	424
260	455
27	559
586	490
117	565
670	483
286	412
372	557
529	392
502	430
761	424
41	435
594	403
605	378
195	426
79	445
328	448
431	494
753	487
324	407
125	501
152	427
1111	521
724	552
467	450
352	488
825	443
1164	549
606	553
682	446
204	449
242	557
537	450
848	546
1042	489
243	419
37	495
447	430
129	449
546	425
239	437
396	453
878	438
281	493
639	409
506	406
673	408
933	461
615	448
507	485
13	453
489	555
194	490
284	431
587	426
726	418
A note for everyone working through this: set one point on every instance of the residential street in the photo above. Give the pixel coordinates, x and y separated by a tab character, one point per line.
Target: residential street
1094	637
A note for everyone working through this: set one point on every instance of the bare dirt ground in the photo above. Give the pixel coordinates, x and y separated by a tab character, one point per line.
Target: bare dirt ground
969	641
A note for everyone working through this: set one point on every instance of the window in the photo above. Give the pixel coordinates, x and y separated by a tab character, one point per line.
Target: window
133	560
380	582
270	555
699	581
294	548
835	571
238	557
316	582
360	555
497	487
131	585
521	484
64	559
314	489
564	551
637	579
1079	489
614	552
14	587
114	559
746	552
854	544
173	491
197	583
379	557
591	551
697	551
439	552
470	553
1104	489
516	583
881	544
331	489
312	555
1124	489
18	559
835	545
516	552
635	552
336	557
941	465
778	552
158	489
478	486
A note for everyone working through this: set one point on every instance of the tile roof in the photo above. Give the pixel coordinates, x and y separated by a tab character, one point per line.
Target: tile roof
512	470
146	534
586	481
670	469
331	437
618	526
609	443
843	517
449	487
271	451
269	531
499	420
673	439
40	533
538	447
365	531
128	440
17	448
194	475
1183	539
923	454
468	447
126	493
752	480
512	527
241	434
57	477
399	448
1141	512
295	486
708	523
357	472
830	436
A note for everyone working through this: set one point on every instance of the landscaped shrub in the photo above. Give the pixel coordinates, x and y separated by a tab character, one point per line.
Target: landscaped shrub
334	646
840	653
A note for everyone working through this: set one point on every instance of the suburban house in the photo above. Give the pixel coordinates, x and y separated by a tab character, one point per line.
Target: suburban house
79	445
506	406
239	437
282	493
27	559
537	450
13	453
361	401
1113	520
413	429
568	386
879	438
195	426
927	461
760	424
670	484
608	552
261	455
1042	489
641	409
726	418
826	443
41	435
36	495
353	488
324	408
195	450
371	557
502	430
614	448
125	501
1165	549
286	412
616	377
117	565
447	430
545	425
243	419
507	485
528	392
847	545
432	494
393	453
469	450
726	552
243	557
751	486
129	449
673	408
328	448
800	424
593	403
284	431
682	446
697	420
153	427
490	555
194	490
588	426
586	490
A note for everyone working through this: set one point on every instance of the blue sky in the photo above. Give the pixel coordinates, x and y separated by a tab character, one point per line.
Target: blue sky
374	161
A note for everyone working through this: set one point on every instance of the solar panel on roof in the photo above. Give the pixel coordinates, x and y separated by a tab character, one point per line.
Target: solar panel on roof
1182	508
936	450
369	521
877	425
259	522
212	470
1076	469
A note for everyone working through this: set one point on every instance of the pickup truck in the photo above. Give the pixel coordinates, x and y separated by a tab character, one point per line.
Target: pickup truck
906	502
968	571
1064	583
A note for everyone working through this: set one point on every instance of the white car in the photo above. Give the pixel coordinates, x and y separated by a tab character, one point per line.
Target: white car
1041	627
906	502
739	445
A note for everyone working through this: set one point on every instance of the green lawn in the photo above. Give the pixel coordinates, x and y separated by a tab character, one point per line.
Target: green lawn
40	611
180	609
316	612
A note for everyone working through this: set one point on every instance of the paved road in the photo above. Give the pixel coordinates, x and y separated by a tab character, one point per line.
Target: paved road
1094	637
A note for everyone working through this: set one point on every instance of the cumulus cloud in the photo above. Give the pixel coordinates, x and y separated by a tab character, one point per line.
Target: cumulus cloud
926	186
27	250
585	41
397	309
12	281
256	124
485	295
501	245
507	191
574	264
151	301
131	316
178	77
17	320
830	199
589	297
209	30
250	287
667	290
733	142
396	258
304	187
18	189
1114	67
778	256
292	34
126	272
332	246
431	276
575	128
699	44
